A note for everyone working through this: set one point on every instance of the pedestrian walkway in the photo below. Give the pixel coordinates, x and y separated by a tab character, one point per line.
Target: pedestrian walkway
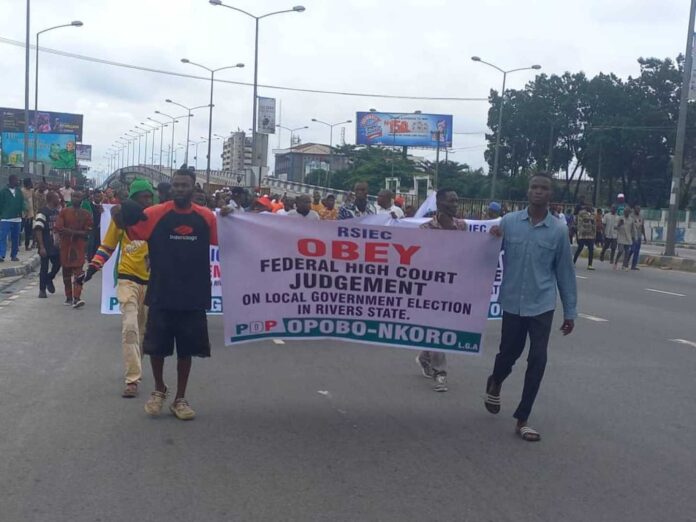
28	261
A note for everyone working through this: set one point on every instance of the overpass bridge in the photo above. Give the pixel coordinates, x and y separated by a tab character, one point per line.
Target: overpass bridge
121	178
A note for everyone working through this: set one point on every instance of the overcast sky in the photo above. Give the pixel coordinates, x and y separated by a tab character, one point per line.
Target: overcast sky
395	47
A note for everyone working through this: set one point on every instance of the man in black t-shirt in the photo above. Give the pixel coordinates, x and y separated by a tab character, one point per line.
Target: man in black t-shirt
179	234
48	250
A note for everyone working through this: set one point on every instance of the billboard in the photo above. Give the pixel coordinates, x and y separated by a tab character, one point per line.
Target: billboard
266	119
12	120
56	150
403	130
84	152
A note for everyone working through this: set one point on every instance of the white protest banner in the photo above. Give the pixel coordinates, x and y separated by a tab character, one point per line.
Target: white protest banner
394	286
109	301
483	226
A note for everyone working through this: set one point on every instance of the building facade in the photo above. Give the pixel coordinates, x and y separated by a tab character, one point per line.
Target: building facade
295	163
236	152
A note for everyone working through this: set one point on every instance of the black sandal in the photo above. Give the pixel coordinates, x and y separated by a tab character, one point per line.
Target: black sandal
492	402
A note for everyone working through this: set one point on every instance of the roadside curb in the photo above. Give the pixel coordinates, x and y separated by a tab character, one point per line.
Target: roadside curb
25	268
668	262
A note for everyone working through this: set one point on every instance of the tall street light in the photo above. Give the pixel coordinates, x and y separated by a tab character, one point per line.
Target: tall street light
210	117
331	128
136	136
145	133
195	156
162	126
296	9
496	157
153	129
188	126
678	160
174	120
75	23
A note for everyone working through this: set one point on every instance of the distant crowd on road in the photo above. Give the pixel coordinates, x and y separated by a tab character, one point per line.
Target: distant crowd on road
619	230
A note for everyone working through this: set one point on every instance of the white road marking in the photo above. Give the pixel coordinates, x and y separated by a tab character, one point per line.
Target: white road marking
13	297
684	341
665	292
22	291
593	318
278	341
580	277
325	393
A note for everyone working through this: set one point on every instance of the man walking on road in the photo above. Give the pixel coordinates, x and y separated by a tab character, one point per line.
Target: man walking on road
359	206
73	225
434	364
179	234
131	287
586	235
637	234
610	222
44	232
11	210
537	260
623	238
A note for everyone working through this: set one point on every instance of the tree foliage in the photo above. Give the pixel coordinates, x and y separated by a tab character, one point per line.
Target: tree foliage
620	130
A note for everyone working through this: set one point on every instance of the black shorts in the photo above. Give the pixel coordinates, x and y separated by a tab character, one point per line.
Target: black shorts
189	328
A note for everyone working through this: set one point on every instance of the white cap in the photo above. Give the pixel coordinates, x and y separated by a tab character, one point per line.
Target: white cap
620	195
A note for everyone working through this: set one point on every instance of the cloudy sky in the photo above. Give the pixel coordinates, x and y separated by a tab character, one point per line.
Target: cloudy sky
391	47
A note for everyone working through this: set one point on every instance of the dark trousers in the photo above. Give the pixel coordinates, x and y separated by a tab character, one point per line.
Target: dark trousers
515	330
28	231
635	252
609	244
46	275
582	243
625	251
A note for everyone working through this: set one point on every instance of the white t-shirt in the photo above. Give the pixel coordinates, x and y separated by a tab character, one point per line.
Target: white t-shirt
396	210
66	193
311	215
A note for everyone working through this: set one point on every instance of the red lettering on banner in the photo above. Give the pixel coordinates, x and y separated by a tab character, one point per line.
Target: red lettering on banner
406	253
377	252
349	251
311	247
344	250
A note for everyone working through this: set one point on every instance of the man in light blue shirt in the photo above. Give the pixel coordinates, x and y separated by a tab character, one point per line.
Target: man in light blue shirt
537	260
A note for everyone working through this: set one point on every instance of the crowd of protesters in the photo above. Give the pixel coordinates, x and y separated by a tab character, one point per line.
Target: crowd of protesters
163	286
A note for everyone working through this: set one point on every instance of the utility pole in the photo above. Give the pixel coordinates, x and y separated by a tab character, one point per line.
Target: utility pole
681	135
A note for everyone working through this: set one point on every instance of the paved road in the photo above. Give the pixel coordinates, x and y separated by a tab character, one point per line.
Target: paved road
336	432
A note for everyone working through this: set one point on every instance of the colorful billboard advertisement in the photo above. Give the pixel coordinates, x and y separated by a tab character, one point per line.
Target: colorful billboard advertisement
12	120
55	150
84	152
403	130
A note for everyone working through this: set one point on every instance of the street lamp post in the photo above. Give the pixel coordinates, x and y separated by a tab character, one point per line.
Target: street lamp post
210	117
153	129
292	157
496	156
188	125
162	126
331	127
678	161
145	133
75	23
295	9
174	120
